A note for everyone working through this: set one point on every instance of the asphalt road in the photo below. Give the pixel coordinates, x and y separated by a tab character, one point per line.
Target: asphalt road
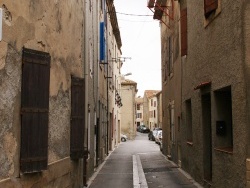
139	164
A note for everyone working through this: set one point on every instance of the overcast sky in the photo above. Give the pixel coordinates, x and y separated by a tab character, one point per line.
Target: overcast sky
140	37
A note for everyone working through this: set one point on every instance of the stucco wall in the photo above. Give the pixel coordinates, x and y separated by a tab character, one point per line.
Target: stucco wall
246	21
54	27
215	54
171	87
128	111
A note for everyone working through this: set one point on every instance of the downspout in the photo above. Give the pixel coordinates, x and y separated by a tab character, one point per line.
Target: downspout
86	71
97	106
107	140
107	63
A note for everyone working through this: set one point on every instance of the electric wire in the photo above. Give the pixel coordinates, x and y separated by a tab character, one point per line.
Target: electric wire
133	14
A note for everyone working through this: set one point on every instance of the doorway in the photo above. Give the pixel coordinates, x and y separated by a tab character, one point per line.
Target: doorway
207	136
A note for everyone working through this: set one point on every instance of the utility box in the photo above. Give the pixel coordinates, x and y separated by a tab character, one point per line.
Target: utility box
221	128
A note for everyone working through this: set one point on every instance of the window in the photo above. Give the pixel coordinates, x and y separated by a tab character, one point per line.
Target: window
223	124
170	55
184	32
151	102
189	121
102	43
154	103
170	65
209	7
154	113
77	118
138	106
34	110
212	9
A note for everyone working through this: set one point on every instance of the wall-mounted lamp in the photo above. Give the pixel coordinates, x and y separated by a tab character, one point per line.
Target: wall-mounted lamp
128	74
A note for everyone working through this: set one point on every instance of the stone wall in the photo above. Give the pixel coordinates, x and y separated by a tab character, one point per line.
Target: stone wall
215	54
49	26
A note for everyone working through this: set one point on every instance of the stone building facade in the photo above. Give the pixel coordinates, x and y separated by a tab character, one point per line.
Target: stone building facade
208	88
128	94
139	111
53	107
159	109
150	107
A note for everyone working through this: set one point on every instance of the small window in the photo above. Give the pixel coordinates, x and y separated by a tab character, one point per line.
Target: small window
210	7
184	32
34	110
138	107
170	64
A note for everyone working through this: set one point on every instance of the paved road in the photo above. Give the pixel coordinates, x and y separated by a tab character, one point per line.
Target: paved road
139	164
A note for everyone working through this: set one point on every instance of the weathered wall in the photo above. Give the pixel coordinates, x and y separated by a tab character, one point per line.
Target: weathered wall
145	109
53	27
215	54
171	87
246	21
128	110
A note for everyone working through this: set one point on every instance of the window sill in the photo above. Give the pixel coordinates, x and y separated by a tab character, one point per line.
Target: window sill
190	143
228	150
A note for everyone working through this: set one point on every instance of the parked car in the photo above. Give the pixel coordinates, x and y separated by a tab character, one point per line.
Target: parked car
160	144
152	134
124	138
158	137
143	129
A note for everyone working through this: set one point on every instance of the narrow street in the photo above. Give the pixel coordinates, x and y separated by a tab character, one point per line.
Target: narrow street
139	163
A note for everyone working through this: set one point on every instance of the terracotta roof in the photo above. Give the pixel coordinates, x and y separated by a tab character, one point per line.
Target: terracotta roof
151	93
128	82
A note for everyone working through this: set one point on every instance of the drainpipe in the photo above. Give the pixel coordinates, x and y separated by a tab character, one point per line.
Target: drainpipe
107	140
107	55
86	76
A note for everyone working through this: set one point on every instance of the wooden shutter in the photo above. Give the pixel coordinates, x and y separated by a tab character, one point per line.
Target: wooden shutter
77	118
210	6
34	110
184	32
170	61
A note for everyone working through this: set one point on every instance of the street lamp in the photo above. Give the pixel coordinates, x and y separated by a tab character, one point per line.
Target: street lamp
128	74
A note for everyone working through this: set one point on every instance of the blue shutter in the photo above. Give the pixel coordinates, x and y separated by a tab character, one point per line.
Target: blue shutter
102	42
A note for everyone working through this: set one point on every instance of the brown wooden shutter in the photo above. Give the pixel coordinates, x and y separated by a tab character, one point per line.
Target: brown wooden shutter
77	118
184	32
34	110
210	6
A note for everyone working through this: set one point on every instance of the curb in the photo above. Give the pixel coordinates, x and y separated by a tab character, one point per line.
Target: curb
183	172
92	178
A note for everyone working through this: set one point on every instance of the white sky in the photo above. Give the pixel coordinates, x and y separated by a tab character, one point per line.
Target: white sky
140	37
